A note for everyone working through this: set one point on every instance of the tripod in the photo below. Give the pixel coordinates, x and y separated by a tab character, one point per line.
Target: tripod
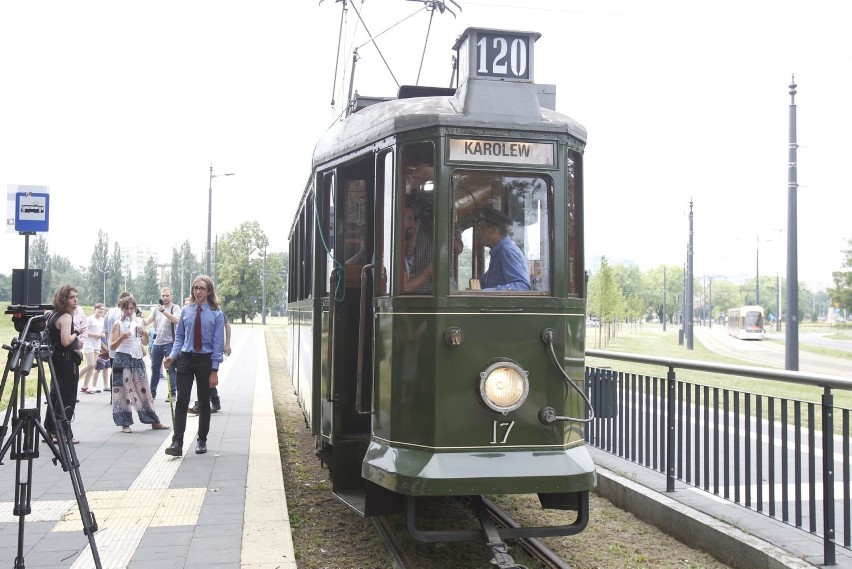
34	348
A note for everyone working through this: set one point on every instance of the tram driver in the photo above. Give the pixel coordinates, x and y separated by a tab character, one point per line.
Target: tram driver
507	269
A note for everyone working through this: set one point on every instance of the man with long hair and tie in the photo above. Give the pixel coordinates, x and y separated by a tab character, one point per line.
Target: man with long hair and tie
198	350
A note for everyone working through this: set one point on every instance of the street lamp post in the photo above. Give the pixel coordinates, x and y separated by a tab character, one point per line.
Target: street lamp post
210	212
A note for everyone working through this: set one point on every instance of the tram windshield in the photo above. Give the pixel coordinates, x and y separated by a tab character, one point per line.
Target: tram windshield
501	233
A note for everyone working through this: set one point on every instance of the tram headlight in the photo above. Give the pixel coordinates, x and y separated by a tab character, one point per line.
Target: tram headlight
504	386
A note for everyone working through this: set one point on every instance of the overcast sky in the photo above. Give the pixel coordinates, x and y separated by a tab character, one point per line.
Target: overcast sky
121	107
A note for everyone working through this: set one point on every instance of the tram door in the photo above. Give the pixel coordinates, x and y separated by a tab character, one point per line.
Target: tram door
347	397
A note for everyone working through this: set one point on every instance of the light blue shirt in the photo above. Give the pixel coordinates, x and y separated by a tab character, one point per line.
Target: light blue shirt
212	333
507	269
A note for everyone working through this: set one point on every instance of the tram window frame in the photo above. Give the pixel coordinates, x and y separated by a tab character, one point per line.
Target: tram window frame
469	227
355	232
574	223
302	246
416	210
384	195
308	248
328	226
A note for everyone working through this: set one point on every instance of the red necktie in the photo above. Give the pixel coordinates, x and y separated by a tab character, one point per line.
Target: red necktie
196	331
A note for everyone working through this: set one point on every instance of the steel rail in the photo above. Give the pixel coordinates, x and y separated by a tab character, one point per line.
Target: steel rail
531	545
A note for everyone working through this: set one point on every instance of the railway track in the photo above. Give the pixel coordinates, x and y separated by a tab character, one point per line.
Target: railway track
502	560
532	546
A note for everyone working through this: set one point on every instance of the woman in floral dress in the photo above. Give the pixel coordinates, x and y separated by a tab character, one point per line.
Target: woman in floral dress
130	387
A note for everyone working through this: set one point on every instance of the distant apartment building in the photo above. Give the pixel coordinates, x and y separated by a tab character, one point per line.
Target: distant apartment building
133	259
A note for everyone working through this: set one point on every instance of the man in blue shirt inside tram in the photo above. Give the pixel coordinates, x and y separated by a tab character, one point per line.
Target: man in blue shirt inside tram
199	349
507	269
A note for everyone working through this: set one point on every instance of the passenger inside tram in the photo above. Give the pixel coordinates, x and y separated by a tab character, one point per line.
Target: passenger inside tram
508	269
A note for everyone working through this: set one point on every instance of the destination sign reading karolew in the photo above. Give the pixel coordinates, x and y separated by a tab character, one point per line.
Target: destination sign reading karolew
503	151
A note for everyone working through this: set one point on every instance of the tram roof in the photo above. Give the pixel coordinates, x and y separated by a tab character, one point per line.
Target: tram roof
492	106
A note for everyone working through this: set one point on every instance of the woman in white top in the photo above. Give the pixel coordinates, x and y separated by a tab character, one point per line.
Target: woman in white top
92	346
130	387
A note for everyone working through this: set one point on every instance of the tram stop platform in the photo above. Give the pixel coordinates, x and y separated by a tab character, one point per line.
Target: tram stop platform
226	508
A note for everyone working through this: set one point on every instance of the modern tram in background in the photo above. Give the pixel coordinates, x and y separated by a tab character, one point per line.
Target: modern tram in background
424	382
746	323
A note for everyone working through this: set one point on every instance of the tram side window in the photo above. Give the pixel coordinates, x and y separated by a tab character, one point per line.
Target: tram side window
355	231
384	182
501	232
417	213
573	197
328	228
308	248
302	292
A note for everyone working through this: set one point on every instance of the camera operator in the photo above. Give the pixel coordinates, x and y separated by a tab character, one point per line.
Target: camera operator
64	337
165	317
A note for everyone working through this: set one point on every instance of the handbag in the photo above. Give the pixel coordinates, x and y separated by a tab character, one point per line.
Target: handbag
76	356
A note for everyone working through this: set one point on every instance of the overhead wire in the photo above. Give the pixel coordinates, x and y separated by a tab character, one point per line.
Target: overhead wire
337	58
425	44
366	29
348	64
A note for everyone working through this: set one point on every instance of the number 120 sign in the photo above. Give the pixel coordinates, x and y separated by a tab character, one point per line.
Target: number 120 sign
503	55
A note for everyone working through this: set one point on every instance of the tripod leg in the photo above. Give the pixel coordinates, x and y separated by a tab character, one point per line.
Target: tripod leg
68	459
25	450
11	362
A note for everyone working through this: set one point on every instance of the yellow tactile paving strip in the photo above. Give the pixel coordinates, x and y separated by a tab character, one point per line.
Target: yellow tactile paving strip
135	508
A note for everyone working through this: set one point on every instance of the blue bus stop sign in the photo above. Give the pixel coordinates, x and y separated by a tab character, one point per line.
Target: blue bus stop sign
32	212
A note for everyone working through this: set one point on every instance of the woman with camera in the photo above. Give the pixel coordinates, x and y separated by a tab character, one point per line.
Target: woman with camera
130	388
66	358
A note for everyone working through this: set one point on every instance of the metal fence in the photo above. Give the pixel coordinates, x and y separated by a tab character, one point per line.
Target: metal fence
766	453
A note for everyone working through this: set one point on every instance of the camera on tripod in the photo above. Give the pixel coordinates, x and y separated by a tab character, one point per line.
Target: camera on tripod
22	314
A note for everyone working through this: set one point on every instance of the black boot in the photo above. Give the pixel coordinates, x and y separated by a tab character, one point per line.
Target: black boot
193	410
215	405
175	449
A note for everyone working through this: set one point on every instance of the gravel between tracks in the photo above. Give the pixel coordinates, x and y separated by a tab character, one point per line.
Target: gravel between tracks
327	534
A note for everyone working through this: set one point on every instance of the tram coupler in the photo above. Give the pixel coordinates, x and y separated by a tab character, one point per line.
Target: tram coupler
498	547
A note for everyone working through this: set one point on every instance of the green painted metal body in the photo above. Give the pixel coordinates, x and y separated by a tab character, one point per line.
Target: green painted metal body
432	435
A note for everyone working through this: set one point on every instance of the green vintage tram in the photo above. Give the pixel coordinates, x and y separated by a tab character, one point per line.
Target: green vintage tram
437	294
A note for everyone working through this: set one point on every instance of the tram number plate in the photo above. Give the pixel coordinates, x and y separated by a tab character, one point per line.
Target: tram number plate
503	55
500	431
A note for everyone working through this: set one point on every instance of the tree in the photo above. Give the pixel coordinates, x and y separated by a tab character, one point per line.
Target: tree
663	280
726	295
277	267
63	272
841	294
629	281
40	259
240	271
149	283
99	269
115	281
185	267
605	297
5	288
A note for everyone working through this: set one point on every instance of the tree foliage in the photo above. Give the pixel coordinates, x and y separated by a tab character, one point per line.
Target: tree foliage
185	267
99	270
841	294
606	300
240	261
148	284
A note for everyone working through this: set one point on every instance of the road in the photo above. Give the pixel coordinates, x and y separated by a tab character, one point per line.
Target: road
770	353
